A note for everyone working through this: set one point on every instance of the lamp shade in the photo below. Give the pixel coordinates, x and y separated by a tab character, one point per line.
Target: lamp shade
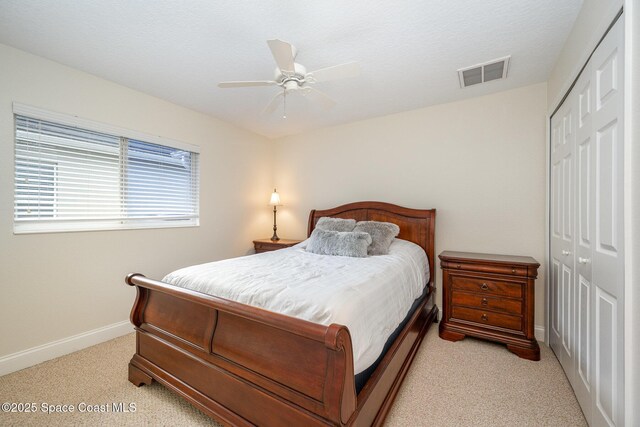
275	199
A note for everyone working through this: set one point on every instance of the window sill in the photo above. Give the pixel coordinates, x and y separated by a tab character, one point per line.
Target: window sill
83	227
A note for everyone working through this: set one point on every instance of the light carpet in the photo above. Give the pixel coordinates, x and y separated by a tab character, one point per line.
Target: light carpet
468	383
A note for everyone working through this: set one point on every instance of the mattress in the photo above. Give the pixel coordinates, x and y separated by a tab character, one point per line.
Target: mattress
370	296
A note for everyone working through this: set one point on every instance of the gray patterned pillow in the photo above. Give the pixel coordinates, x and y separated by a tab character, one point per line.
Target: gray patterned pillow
335	224
382	234
342	243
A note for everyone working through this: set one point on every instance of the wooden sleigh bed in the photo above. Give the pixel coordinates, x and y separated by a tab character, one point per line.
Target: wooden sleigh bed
243	365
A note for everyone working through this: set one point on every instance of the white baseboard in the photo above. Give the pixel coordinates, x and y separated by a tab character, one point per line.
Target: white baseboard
538	331
32	356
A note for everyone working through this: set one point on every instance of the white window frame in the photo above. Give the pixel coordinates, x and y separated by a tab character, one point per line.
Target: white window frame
100	225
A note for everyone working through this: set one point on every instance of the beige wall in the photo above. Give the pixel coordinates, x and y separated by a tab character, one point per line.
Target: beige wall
57	285
592	21
479	162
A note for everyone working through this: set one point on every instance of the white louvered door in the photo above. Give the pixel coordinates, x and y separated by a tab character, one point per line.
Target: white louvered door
587	267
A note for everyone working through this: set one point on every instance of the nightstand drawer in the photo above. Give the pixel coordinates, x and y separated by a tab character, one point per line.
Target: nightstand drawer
482	268
487	318
483	302
487	286
266	245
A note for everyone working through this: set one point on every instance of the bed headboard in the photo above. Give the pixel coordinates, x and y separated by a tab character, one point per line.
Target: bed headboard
416	225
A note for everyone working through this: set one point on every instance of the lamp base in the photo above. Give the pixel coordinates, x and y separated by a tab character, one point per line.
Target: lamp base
275	237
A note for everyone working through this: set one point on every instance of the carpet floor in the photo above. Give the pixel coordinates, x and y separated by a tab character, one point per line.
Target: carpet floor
468	383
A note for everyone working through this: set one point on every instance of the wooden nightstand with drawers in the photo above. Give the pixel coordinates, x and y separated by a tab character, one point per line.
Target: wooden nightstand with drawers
266	245
490	297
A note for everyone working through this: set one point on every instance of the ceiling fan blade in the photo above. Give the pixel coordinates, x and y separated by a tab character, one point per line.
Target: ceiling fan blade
273	104
283	54
342	71
321	97
247	83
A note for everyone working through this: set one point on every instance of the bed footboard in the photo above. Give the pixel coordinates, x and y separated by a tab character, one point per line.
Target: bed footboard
241	364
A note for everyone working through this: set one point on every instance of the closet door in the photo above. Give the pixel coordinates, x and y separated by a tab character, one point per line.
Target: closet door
587	263
562	235
585	207
607	258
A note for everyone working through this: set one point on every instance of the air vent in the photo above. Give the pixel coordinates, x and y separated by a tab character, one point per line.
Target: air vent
482	73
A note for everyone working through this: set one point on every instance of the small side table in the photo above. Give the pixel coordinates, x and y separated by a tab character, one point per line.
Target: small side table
266	245
490	297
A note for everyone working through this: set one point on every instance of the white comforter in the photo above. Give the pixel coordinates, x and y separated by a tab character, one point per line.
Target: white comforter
370	296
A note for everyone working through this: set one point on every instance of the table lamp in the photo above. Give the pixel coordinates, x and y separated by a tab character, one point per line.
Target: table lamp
275	202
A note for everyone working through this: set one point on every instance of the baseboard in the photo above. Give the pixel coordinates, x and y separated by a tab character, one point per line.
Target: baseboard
32	356
539	332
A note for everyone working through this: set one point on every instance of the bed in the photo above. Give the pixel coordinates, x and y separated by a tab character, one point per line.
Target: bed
244	365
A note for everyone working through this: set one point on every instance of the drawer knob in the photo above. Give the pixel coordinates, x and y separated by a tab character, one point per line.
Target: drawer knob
458	266
484	317
513	270
484	287
484	301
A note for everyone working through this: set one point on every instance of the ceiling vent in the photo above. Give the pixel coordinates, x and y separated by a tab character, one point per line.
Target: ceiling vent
482	73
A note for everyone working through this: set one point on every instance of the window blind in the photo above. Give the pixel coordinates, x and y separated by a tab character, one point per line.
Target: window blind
70	178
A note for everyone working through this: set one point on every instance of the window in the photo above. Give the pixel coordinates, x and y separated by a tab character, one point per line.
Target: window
71	174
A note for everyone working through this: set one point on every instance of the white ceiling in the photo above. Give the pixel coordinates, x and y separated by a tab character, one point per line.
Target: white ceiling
408	50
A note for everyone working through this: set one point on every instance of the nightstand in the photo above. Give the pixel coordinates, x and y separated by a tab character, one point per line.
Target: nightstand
266	245
490	297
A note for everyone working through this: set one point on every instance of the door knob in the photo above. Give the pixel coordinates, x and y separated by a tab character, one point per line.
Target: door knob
565	253
584	260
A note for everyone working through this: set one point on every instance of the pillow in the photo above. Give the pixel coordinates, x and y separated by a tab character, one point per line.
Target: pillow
382	234
335	224
342	243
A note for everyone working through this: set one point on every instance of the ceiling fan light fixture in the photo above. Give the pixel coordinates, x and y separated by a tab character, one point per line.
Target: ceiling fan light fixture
291	84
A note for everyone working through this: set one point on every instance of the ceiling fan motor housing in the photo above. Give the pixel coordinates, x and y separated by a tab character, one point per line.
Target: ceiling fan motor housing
291	81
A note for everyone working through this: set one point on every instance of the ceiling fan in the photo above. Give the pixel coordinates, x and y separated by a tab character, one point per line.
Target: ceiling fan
293	77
